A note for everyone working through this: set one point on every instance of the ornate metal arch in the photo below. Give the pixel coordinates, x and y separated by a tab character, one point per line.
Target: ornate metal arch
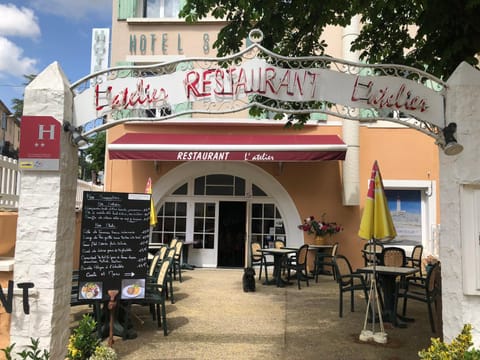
257	51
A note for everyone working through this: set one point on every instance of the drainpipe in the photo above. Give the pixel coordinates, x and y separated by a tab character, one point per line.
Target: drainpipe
351	164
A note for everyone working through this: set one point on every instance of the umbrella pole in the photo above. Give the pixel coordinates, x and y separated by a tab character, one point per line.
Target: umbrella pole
367	335
381	337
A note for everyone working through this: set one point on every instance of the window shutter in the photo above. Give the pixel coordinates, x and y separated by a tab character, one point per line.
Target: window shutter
126	9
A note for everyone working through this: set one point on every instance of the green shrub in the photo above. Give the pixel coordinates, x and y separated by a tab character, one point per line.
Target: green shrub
32	352
84	340
459	349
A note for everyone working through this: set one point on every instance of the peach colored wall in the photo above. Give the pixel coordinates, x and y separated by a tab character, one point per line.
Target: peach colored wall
8	232
315	187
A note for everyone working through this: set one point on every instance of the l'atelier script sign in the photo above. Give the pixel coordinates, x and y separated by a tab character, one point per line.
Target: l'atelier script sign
257	77
7	302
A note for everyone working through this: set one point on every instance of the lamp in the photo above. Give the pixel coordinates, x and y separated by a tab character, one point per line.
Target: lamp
451	146
76	137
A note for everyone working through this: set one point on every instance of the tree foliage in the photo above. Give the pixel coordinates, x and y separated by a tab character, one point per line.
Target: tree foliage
96	152
432	34
17	104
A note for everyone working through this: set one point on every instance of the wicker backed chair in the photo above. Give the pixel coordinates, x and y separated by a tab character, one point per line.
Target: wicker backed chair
424	289
415	259
278	244
323	261
157	292
394	256
177	262
372	253
298	262
155	262
348	281
257	258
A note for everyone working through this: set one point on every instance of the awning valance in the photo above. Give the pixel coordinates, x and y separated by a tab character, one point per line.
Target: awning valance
220	147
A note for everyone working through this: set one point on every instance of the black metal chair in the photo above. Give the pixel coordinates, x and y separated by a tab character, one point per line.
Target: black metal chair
298	262
257	258
425	289
348	281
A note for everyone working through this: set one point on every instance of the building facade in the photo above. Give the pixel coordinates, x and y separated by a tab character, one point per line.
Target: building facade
220	204
9	132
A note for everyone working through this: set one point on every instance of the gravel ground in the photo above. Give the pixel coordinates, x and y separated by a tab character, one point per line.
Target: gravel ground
213	318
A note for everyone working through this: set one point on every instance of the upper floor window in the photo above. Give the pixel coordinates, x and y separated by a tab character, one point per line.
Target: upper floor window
4	121
161	8
149	8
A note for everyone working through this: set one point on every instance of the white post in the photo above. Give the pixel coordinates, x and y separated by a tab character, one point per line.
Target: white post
46	227
456	173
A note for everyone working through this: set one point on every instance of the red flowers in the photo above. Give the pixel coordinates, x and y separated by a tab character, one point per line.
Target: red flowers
320	228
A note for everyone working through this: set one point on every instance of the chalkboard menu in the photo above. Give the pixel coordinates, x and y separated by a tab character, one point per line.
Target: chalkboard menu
114	245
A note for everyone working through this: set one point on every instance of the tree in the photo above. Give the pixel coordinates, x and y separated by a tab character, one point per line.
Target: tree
17	104
447	30
96	153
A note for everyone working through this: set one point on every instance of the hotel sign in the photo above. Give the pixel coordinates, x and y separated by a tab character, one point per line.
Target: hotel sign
40	143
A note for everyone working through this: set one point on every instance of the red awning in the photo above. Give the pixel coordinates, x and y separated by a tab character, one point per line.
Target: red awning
202	147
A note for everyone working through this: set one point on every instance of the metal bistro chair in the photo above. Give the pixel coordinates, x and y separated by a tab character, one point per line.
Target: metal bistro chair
257	258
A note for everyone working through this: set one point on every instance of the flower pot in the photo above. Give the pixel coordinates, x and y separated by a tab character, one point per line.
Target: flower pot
320	240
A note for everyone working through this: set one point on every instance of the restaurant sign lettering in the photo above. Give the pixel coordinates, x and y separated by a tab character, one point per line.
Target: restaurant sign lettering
219	89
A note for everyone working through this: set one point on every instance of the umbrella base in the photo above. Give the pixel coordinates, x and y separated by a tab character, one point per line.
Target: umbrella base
378	337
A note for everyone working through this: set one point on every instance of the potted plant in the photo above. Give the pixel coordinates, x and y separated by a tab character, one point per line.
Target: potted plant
320	228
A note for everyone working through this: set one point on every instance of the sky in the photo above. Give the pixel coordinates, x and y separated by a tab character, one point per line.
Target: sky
36	33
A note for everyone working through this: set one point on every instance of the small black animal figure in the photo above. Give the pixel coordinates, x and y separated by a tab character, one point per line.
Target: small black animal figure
249	279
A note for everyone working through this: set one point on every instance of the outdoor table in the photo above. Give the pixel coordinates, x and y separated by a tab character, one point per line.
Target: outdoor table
278	256
387	276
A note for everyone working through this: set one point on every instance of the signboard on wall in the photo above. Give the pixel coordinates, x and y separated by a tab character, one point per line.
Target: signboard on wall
114	245
40	143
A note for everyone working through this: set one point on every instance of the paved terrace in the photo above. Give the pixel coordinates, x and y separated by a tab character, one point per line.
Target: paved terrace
214	319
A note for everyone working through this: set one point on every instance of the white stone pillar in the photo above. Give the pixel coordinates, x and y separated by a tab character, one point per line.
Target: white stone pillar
46	226
463	108
351	128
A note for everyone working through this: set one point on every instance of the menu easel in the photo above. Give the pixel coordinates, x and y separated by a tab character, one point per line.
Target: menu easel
114	248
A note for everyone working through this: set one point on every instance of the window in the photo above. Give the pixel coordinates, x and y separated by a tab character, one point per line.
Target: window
172	223
219	184
267	224
4	121
204	226
161	8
